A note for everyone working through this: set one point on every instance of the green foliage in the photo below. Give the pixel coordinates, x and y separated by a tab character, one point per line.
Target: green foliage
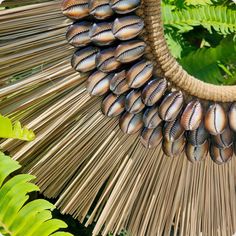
205	62
219	18
9	130
198	2
18	218
200	35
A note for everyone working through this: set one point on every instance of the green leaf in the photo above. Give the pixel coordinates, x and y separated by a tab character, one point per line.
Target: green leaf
198	2
204	63
8	130
18	218
219	18
176	43
61	234
7	166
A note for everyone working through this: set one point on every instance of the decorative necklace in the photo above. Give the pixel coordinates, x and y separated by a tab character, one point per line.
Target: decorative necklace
81	158
118	49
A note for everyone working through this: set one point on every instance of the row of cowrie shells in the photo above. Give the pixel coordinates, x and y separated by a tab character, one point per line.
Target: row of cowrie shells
109	59
178	128
124	28
99	9
140	99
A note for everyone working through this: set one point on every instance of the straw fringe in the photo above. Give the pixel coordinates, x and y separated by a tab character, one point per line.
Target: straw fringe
82	158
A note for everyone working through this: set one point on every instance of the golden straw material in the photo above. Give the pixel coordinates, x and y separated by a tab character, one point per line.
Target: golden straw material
151	9
81	157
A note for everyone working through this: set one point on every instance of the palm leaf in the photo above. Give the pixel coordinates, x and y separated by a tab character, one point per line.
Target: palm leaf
8	130
17	217
219	18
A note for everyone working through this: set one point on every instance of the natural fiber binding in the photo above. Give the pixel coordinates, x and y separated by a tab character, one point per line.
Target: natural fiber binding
151	10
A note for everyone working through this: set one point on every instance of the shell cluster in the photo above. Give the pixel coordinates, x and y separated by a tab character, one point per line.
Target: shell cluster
107	37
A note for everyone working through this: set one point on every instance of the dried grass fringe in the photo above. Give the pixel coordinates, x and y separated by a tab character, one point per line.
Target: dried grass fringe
79	154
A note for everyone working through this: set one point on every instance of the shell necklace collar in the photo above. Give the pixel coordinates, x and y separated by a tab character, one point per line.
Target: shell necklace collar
120	45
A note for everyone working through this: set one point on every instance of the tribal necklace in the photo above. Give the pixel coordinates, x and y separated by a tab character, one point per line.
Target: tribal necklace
120	46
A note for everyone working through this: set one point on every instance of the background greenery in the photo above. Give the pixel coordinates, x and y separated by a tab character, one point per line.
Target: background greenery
201	36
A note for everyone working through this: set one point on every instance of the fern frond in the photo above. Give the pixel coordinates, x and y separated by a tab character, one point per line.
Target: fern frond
9	130
203	63
17	217
176	43
198	2
219	18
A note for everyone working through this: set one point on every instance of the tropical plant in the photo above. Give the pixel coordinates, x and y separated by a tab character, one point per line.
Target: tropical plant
200	34
18	215
9	130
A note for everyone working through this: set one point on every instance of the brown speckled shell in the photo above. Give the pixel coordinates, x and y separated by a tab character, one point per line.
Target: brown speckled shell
173	149
139	74
127	27
171	106
131	123
215	119
151	117
75	9
118	83
197	153
113	105
151	138
153	91
192	115
221	156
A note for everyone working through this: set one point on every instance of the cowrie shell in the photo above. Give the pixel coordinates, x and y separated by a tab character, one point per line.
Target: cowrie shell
124	6
83	60
153	91
131	123
221	155
151	117
192	115
173	130
75	9
133	102
101	34
198	136
171	106
106	61
215	119
151	138
130	51
98	83
78	34
197	153
127	27
224	139
173	149
118	83
232	116
100	9
113	105
139	74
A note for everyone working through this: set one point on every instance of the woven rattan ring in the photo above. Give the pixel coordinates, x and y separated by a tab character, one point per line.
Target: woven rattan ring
151	10
121	45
